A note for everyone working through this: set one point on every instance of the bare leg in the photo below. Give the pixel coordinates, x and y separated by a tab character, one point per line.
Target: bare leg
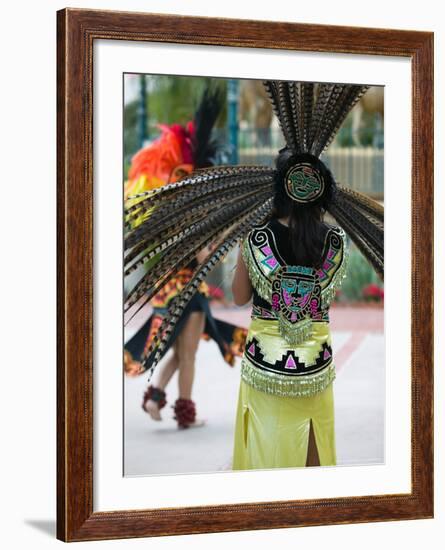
167	371
164	377
312	451
187	345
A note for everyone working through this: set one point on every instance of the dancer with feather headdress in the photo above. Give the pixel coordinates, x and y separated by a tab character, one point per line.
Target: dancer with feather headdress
175	154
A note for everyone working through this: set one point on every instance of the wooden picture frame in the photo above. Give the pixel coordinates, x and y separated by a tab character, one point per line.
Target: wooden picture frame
77	31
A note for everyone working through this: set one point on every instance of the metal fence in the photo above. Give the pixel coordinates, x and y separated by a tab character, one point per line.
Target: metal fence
358	167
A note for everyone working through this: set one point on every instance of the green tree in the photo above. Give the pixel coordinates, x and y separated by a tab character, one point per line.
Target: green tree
170	99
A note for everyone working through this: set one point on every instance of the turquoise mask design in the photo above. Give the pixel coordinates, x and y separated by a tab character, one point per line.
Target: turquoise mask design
292	290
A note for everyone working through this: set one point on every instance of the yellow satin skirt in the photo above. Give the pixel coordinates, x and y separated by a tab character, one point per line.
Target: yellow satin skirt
272	431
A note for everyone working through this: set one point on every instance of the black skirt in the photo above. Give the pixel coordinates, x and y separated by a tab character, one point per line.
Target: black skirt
229	338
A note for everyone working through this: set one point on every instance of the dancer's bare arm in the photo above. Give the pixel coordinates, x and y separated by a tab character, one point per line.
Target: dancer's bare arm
241	285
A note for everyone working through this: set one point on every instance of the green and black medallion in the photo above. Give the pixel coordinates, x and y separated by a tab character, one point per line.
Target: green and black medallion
304	183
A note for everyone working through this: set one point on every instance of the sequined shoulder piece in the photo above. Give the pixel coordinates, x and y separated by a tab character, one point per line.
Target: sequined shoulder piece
333	270
261	258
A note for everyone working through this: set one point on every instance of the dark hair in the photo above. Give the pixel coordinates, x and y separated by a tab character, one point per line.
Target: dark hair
307	230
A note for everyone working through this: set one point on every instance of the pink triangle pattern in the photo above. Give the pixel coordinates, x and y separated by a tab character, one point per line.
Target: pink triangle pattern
251	349
266	313
326	354
290	363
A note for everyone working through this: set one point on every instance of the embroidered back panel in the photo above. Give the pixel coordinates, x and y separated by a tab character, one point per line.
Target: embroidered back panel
294	297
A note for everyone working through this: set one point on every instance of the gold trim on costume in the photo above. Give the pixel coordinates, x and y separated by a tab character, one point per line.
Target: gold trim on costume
328	293
260	282
284	385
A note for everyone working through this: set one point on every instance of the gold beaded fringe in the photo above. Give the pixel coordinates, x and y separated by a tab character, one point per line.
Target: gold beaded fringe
295	333
260	282
328	294
287	385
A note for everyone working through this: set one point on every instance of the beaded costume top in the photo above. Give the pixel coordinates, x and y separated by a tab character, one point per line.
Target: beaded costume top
288	349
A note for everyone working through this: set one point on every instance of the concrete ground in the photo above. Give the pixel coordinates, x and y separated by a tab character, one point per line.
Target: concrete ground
160	448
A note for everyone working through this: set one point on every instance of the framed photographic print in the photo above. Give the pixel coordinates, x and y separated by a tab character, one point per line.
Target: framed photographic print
192	396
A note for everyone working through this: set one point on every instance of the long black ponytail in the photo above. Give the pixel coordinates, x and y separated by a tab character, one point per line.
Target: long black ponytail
307	230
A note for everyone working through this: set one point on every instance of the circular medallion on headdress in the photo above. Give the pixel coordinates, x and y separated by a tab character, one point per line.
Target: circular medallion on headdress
304	183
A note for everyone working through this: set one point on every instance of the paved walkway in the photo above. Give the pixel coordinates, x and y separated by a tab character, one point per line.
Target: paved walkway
160	448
